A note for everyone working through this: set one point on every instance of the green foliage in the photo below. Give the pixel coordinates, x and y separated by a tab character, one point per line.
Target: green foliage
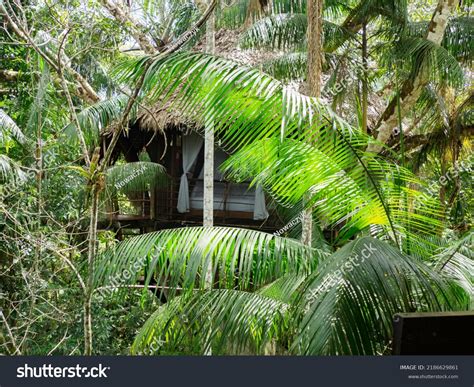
179	258
265	294
287	67
8	128
354	315
351	192
237	321
95	118
370	281
135	177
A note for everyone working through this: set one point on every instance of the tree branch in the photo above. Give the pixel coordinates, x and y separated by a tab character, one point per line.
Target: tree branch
132	25
412	87
180	42
84	90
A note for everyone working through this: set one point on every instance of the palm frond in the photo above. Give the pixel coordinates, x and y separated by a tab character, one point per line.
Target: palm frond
288	67
39	112
433	61
283	32
284	289
9	169
93	119
8	128
248	105
394	13
236	14
456	262
244	103
139	176
233	15
224	319
351	300
240	258
288	31
457	37
340	183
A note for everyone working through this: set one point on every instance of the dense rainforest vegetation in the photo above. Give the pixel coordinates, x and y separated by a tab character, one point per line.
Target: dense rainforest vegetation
354	117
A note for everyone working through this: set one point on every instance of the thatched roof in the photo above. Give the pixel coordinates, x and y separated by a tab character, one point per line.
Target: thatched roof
161	116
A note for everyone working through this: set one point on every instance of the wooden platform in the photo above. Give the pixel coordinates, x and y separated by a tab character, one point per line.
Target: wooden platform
145	224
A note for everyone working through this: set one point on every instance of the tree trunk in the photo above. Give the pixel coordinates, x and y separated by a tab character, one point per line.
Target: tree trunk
413	87
315	46
255	10
136	29
315	64
91	254
365	81
208	205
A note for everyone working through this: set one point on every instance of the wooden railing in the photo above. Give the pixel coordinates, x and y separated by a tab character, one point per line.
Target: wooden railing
161	203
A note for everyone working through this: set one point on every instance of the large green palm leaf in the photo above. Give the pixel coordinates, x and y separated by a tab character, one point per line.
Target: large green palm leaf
347	192
139	176
368	281
244	103
96	118
179	258
455	259
345	307
225	320
288	32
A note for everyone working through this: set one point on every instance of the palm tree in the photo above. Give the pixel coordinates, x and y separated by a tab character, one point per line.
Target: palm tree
412	88
315	57
356	196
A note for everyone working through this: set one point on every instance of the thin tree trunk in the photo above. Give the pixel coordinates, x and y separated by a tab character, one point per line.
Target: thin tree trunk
91	254
413	87
315	64
208	204
315	46
365	81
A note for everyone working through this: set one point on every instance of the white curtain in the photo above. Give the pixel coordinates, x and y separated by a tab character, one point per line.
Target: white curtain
260	209
192	144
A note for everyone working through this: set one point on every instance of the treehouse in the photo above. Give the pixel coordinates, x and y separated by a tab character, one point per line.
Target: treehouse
175	140
178	200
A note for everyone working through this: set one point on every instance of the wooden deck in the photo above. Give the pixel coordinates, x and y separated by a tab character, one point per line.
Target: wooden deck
157	210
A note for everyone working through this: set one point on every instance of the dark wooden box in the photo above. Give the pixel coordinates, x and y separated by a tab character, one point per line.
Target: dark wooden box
444	333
